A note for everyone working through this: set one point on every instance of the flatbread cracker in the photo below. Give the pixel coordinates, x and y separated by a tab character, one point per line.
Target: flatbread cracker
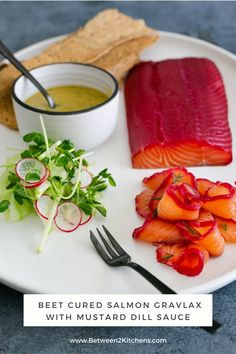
134	46
121	68
107	29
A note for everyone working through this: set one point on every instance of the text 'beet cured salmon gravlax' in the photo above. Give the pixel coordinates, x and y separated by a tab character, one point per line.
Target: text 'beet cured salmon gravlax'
177	114
188	219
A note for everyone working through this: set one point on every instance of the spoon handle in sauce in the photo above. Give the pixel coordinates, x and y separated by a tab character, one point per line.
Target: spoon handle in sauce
8	55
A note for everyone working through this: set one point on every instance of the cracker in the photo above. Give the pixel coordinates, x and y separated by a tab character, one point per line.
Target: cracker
134	46
121	68
107	29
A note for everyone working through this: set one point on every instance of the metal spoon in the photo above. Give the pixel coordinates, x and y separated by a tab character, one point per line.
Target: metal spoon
10	56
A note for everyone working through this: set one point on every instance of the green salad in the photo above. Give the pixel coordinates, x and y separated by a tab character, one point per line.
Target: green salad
52	179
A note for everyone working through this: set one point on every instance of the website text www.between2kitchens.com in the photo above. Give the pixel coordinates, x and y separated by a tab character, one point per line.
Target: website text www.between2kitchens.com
117	340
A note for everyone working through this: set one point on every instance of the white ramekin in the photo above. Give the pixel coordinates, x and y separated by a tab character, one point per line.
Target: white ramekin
86	128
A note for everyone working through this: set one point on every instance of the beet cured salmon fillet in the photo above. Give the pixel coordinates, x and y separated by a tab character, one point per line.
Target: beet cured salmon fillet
177	114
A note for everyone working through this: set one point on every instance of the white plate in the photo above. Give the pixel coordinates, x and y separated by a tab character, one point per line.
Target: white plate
70	263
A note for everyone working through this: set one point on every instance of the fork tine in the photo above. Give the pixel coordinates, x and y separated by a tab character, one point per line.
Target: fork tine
115	244
99	248
106	244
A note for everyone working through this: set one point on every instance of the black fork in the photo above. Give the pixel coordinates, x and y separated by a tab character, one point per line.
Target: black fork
114	255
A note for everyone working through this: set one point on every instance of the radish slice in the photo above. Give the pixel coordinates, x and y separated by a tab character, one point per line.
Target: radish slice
30	165
85	178
85	218
43	206
37	184
68	217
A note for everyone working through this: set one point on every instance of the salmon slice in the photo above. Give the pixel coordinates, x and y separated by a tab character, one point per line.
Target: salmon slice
177	114
155	181
202	249
180	202
157	230
190	263
158	194
169	254
220	200
205	215
175	175
185	259
203	185
227	229
142	202
203	232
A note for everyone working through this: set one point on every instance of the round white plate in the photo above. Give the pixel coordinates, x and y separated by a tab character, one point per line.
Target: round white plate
70	264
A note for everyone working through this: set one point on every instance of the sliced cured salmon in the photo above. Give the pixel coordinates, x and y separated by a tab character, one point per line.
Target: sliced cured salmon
155	181
185	259
203	185
142	202
169	254
203	232
176	176
227	228
177	114
190	263
157	230
220	200
158	194
181	202
189	219
202	249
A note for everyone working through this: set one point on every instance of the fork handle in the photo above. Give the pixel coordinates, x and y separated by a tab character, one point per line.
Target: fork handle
164	289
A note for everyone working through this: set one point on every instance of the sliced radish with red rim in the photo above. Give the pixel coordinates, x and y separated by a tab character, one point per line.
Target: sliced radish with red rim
85	218
68	217
43	206
37	184
31	165
85	178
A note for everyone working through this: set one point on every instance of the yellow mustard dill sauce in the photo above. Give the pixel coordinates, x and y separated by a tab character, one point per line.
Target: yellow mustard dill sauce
68	98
